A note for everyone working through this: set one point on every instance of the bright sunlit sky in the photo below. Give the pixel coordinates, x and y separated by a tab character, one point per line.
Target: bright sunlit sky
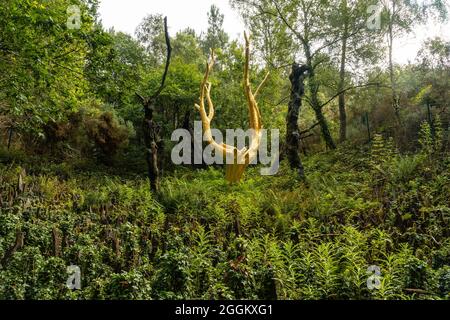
125	15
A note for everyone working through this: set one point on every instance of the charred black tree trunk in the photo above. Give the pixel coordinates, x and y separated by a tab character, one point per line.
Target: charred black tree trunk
154	144
293	133
153	147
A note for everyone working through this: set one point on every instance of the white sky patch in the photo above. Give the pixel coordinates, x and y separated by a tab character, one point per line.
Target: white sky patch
125	15
406	49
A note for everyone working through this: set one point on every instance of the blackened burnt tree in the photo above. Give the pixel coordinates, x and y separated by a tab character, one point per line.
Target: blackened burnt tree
296	78
154	144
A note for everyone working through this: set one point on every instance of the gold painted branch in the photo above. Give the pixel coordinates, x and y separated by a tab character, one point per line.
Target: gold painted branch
241	157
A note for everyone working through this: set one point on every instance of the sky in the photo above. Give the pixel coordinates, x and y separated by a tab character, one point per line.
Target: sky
125	15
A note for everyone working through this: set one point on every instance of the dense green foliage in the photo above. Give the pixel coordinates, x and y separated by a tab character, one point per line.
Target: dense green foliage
73	186
266	238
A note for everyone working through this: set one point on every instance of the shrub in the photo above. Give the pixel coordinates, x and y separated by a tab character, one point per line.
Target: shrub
108	134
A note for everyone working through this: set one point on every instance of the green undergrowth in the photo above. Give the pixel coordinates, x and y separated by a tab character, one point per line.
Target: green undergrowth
201	238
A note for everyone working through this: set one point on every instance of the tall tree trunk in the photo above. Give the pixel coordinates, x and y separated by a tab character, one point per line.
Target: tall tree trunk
10	135
315	103
154	144
342	111
367	123
292	131
326	134
395	102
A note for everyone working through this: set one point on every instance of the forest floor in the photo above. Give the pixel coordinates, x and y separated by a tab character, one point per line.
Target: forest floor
367	225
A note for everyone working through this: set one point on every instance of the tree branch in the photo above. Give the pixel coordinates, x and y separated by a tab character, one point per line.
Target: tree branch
335	40
306	137
166	69
347	89
309	129
283	18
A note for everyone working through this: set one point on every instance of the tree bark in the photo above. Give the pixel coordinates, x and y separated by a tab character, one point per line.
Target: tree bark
395	102
10	135
292	131
154	144
153	147
315	103
342	111
326	134
367	123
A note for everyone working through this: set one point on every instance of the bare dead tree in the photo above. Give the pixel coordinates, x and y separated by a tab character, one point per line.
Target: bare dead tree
153	141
